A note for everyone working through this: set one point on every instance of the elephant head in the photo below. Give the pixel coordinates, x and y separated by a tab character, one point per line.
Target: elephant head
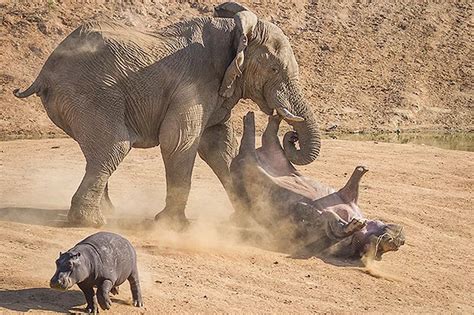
265	70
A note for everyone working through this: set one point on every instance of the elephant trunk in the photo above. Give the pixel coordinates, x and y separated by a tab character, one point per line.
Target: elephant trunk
290	99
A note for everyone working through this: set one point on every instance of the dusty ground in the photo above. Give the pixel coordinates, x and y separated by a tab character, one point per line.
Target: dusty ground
365	65
209	269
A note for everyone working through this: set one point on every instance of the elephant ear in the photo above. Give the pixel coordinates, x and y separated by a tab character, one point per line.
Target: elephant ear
245	22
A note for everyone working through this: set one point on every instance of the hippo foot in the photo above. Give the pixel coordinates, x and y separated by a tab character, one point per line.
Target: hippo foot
104	302
172	220
138	303
355	225
92	310
83	218
114	290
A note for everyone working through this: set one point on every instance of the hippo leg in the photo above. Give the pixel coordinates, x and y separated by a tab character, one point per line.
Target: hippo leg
91	299
355	225
135	288
115	290
336	228
103	297
333	225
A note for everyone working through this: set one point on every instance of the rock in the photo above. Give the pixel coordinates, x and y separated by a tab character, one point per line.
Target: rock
331	127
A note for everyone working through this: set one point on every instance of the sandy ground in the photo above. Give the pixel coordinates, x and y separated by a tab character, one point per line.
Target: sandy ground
210	269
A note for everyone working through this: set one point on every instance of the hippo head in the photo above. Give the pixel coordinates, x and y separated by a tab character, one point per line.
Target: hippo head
69	271
380	238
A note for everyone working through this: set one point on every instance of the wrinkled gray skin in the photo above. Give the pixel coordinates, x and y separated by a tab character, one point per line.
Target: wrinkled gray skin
302	210
103	260
113	88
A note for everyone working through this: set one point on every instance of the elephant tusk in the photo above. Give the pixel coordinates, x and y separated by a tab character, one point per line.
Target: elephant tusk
287	115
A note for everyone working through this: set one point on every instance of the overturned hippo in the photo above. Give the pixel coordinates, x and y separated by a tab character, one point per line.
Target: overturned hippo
301	210
104	261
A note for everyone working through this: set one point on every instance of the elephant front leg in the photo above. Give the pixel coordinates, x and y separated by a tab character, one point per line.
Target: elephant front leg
218	147
179	140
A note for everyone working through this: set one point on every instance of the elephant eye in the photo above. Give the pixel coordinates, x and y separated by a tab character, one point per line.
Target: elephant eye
275	69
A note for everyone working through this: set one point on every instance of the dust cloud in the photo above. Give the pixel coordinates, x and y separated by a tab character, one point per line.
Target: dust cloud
371	267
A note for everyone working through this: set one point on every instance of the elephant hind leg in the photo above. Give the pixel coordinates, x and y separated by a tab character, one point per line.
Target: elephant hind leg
102	157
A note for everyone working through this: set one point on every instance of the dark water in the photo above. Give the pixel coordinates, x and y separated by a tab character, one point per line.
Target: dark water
463	141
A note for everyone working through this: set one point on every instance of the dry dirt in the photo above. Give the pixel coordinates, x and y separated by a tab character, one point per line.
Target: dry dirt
210	268
365	65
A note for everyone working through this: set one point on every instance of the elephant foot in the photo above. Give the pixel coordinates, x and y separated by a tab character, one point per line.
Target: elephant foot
172	220
80	217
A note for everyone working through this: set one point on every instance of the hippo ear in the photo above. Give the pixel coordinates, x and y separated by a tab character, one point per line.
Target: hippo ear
60	253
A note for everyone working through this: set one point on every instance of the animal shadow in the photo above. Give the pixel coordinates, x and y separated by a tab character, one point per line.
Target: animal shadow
41	299
58	218
325	255
328	259
35	216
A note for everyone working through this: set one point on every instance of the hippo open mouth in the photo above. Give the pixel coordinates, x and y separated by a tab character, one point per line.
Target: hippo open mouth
391	240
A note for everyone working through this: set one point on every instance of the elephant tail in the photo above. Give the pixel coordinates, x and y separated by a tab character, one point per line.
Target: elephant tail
34	88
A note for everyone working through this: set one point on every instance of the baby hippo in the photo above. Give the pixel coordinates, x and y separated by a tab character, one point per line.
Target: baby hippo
103	260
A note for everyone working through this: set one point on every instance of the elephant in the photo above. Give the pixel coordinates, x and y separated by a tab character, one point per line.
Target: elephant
112	88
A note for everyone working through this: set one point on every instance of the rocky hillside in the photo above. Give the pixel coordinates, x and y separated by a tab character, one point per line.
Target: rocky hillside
364	66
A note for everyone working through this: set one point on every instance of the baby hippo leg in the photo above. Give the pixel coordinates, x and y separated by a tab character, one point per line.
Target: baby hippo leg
135	288
103	292
115	290
92	306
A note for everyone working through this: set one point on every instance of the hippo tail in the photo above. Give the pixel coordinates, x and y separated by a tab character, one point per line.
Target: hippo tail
35	87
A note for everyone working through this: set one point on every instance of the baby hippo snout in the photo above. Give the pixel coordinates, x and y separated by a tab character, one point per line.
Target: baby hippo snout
60	281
